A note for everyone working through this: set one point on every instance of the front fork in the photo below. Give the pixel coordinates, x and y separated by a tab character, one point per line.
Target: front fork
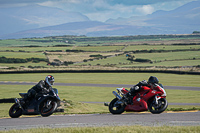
18	102
156	102
156	99
48	103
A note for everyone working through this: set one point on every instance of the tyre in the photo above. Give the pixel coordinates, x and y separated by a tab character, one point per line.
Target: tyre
48	107
116	108
158	108
15	111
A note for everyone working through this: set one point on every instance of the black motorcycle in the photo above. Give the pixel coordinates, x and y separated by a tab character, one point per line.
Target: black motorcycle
44	104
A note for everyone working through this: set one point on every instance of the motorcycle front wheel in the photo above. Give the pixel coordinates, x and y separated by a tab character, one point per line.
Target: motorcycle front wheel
15	111
116	108
158	108
48	107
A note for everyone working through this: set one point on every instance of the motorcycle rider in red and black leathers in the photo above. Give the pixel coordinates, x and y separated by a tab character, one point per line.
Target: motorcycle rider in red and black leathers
152	83
42	86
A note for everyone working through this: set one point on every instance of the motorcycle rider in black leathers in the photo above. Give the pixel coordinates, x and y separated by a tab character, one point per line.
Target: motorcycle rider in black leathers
42	86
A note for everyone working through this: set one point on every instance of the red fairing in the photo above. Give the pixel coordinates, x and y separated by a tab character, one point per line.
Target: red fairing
138	106
141	99
158	88
124	91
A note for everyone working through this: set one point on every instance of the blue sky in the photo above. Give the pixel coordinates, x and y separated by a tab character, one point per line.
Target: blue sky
102	10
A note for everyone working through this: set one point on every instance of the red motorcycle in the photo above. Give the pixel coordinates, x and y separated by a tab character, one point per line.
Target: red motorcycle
146	99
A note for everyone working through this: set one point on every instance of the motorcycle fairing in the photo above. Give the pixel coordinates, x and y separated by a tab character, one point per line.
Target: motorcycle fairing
138	106
34	106
141	99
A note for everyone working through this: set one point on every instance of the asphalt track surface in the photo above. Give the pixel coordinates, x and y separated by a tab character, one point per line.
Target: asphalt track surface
98	120
91	120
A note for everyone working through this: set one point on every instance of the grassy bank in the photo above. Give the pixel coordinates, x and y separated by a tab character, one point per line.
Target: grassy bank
107	78
113	129
78	95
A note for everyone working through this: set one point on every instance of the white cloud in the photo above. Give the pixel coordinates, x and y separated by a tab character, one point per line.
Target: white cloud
102	10
145	9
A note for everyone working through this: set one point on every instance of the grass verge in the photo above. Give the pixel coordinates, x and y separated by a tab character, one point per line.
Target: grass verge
74	98
113	129
75	95
107	78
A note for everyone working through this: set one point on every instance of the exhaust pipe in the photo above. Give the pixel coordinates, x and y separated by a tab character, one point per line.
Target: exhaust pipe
117	95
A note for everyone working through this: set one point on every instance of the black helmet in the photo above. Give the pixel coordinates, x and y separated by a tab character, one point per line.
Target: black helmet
49	80
153	80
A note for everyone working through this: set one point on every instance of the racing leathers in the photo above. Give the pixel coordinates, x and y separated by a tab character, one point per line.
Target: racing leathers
40	87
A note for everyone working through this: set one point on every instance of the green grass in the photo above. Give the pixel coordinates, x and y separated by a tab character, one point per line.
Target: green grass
35	49
112	60
5	109
100	94
113	129
167	59
107	78
94	41
22	55
182	96
97	94
160	47
100	48
105	48
18	65
179	64
25	42
158	59
76	57
169	55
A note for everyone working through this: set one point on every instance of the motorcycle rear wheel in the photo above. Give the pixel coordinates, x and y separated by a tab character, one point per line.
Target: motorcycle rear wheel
48	110
158	108
116	108
15	111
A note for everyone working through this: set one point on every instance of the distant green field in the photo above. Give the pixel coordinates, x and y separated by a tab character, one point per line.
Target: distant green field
95	41
160	47
22	55
100	48
25	42
26	65
169	55
179	64
161	51
35	49
187	58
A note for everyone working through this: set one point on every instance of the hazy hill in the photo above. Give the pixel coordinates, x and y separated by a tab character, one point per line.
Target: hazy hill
187	14
88	28
34	16
183	20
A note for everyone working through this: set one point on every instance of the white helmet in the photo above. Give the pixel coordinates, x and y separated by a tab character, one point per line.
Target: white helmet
49	80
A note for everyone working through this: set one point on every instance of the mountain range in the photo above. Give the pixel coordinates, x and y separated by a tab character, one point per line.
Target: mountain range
40	21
